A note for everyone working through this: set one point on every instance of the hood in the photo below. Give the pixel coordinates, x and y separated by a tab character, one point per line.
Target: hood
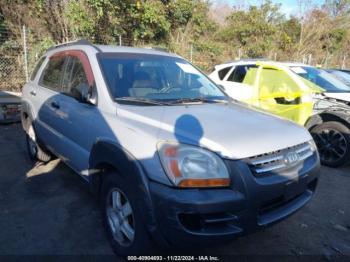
340	96
232	130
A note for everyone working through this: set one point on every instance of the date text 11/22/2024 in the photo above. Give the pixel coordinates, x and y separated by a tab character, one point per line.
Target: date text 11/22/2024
173	258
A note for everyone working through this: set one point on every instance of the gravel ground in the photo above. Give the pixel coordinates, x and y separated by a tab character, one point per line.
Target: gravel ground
47	210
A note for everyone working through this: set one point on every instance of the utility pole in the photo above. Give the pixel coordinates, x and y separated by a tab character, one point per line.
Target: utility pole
343	63
25	52
310	59
191	53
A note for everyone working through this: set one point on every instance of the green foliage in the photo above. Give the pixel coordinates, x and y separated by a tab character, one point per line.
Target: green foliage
201	24
133	20
193	13
336	38
254	30
211	48
80	20
180	12
152	23
289	33
37	50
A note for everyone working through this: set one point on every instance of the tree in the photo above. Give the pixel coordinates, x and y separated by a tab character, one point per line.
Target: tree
253	30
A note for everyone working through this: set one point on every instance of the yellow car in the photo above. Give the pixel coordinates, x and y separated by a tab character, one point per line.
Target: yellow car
306	95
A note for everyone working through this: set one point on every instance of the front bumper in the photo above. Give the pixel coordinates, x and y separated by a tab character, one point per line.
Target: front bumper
210	216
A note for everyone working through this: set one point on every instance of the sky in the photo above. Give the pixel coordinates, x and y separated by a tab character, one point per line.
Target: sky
288	7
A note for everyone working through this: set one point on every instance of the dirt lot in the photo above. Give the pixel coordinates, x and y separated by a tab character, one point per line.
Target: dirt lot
47	210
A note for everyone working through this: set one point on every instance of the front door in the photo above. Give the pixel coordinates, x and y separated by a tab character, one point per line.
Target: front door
75	116
281	95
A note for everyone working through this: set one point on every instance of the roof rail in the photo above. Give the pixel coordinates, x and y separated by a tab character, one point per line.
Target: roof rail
161	49
249	59
75	42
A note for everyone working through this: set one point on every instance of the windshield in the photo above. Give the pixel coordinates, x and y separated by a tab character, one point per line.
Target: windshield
321	78
146	77
342	76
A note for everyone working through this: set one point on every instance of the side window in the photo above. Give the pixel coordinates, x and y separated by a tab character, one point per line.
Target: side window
37	67
223	72
74	78
53	72
239	74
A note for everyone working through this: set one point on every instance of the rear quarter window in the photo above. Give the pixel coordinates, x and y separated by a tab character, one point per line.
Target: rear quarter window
223	72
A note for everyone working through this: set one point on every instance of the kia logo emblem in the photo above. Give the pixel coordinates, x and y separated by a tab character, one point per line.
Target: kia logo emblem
291	158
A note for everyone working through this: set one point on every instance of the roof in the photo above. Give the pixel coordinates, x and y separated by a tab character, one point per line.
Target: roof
127	49
260	61
295	64
86	45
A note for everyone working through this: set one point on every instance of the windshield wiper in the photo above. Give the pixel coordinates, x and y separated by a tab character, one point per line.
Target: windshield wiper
197	100
140	100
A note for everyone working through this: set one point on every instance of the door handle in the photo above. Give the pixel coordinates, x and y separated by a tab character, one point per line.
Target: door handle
55	105
33	93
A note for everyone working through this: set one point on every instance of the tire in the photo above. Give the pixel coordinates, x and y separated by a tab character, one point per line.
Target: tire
35	151
141	243
333	143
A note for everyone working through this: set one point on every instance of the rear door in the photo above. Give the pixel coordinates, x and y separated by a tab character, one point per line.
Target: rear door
46	95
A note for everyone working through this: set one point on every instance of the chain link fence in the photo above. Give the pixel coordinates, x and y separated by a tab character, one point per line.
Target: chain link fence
20	51
12	61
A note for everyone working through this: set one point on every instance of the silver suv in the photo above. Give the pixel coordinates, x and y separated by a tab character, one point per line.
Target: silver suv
174	161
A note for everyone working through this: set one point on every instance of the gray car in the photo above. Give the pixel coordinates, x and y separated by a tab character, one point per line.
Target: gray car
173	160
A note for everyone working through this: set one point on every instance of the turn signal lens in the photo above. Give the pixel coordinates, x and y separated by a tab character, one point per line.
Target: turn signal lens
219	182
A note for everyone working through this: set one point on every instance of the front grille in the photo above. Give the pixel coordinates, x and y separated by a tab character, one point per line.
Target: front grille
277	160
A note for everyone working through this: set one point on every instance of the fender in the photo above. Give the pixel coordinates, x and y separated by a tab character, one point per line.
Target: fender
326	116
107	152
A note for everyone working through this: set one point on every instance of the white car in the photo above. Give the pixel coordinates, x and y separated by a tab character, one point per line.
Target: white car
301	93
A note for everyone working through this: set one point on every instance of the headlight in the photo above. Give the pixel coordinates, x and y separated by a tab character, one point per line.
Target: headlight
191	166
313	145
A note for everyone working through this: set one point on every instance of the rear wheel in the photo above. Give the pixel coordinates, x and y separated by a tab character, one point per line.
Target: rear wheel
333	142
35	152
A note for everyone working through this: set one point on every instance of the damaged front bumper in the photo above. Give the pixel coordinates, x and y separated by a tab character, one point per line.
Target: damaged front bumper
210	216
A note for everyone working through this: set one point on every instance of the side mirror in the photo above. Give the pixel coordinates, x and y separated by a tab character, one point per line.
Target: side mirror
88	94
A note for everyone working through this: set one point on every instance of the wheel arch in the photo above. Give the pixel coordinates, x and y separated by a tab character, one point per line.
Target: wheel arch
341	117
107	156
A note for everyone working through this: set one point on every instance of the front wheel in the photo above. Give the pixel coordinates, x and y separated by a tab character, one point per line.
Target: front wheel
122	217
333	142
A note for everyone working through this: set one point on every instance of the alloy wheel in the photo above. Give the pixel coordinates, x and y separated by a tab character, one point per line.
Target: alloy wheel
331	144
120	217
